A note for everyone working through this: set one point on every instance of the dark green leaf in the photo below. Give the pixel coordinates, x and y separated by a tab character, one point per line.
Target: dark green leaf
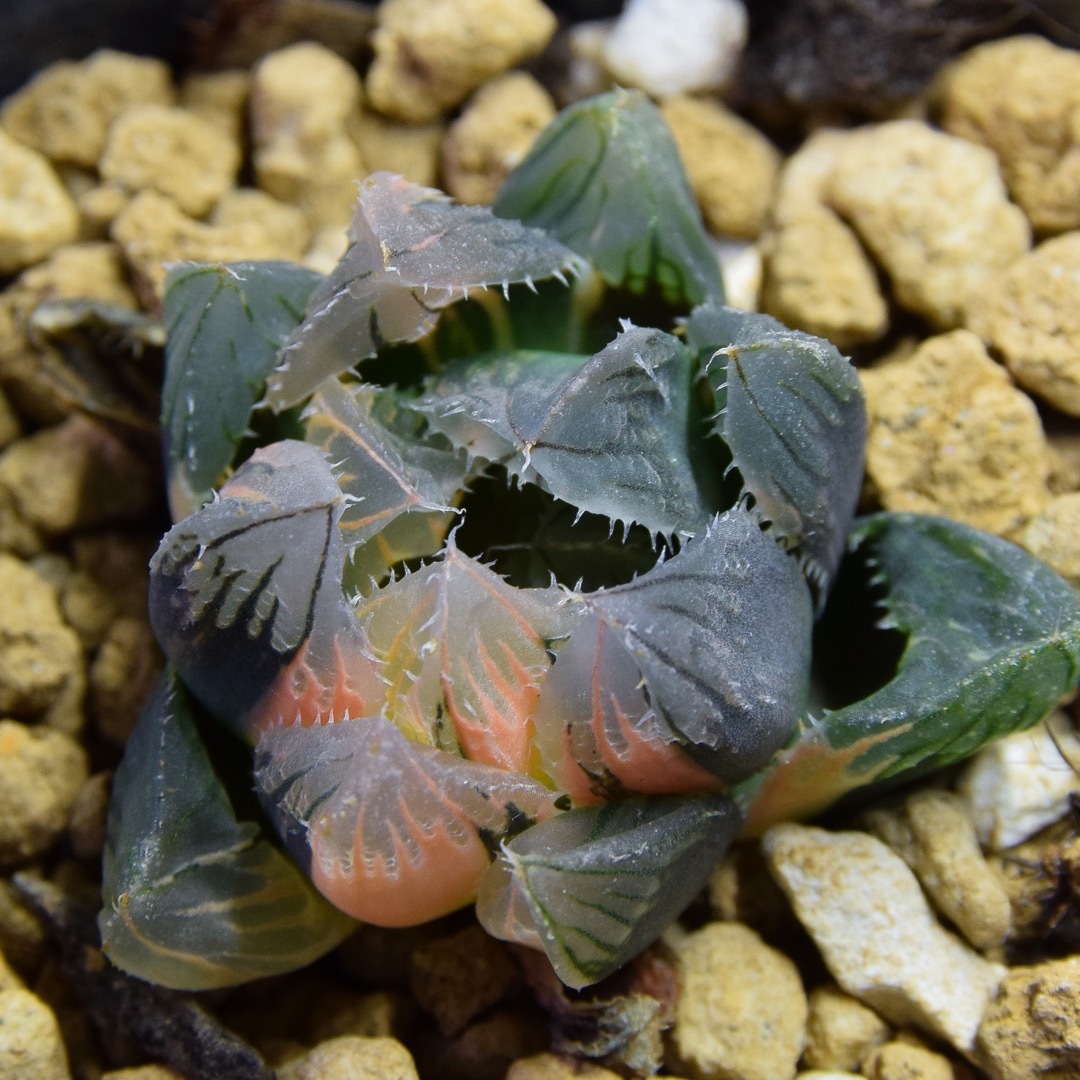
593	887
193	898
225	326
993	644
606	179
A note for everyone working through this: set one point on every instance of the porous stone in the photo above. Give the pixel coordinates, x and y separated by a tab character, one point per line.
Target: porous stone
494	132
41	771
9	977
99	207
122	675
904	1061
10	424
934	834
65	111
219	98
817	277
675	46
142	1072
88	608
37	215
285	223
456	978
86	823
1021	98
77	474
305	104
351	1057
1053	535
742	1010
1030	313
869	918
152	230
22	935
1019	784
949	434
31	1047
933	211
840	1030
551	1067
85	271
41	663
731	166
410	150
1032	1027
430	55
172	151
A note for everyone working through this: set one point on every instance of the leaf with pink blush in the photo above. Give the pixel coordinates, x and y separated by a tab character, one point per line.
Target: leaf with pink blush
392	832
463	654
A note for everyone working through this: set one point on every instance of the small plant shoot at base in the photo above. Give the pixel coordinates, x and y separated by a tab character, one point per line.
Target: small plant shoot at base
483	589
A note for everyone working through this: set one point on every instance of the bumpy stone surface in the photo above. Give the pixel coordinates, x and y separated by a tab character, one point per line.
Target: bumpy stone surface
868	916
904	1061
37	215
66	110
173	151
219	98
933	833
411	150
932	209
31	1047
1020	784
152	230
41	665
1053	535
676	46
431	54
493	133
1030	313
1021	98
122	676
731	166
76	475
456	978
742	1010
840	1030
949	434
41	771
817	277
1032	1028
353	1058
305	104
254	208
551	1067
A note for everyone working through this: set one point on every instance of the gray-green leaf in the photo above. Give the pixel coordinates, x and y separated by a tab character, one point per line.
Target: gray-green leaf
606	179
593	887
193	898
608	434
225	327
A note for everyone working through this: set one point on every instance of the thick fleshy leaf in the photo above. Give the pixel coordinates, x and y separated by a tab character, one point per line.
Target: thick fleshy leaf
793	415
193	898
463	655
609	434
225	326
721	636
606	179
414	250
594	886
993	644
251	583
384	474
394	832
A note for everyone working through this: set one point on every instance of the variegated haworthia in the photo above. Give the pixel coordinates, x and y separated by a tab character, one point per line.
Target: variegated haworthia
503	597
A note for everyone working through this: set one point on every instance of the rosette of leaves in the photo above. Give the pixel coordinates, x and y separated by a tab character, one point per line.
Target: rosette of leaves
510	565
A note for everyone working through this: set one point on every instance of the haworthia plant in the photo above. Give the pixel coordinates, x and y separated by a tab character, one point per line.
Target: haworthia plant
497	595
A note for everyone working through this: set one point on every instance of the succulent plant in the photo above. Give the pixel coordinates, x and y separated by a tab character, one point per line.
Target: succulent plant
490	590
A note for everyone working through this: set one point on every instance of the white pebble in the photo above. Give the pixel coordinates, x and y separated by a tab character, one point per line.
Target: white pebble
676	46
864	909
1020	784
